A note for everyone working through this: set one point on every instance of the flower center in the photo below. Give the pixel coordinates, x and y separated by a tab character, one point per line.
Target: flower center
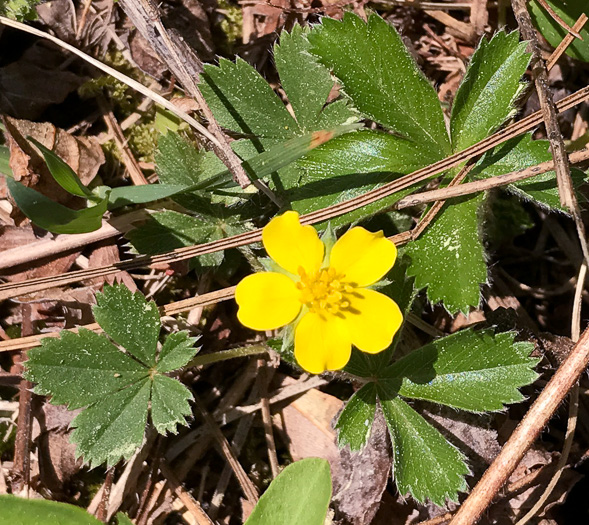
323	291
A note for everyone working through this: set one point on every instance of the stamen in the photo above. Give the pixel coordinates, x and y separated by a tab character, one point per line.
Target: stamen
323	291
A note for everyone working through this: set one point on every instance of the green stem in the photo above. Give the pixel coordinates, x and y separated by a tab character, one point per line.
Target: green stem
243	351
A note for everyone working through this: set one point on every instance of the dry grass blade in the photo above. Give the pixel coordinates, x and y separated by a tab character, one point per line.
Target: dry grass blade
189	502
14	289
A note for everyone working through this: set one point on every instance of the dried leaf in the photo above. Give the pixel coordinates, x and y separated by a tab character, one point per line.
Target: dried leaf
359	479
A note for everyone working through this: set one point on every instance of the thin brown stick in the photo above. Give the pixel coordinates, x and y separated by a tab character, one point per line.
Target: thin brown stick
21	471
487	184
87	5
438	520
512	489
135	173
573	404
267	418
525	434
571	30
9	290
101	512
566	191
248	488
548	108
62	243
239	437
189	502
566	42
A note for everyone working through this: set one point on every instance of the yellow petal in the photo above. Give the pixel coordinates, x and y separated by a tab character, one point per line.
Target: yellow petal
322	343
362	256
292	245
267	301
373	321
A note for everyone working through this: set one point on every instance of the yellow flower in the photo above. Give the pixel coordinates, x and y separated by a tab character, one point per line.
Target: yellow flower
329	299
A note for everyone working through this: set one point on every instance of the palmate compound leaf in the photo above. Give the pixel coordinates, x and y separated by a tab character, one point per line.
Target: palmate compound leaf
475	371
115	385
448	258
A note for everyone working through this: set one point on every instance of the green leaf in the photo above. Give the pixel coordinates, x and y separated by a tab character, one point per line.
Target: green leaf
127	195
424	463
523	152
5	168
382	80
350	165
176	352
179	162
138	329
79	369
491	85
569	11
63	174
243	101
355	421
543	189
169	403
469	370
449	259
123	519
112	428
299	494
307	82
20	10
52	216
21	511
